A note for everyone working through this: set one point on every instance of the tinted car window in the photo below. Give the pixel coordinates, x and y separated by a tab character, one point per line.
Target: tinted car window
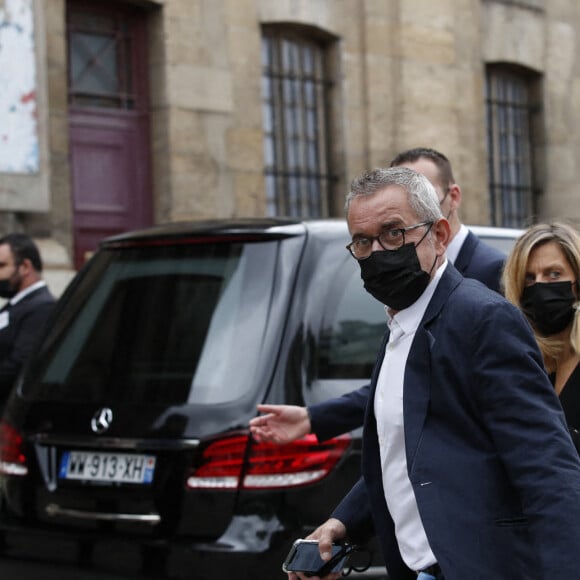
164	325
352	327
503	244
344	322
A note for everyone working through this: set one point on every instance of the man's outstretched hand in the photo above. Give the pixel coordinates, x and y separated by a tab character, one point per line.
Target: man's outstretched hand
280	423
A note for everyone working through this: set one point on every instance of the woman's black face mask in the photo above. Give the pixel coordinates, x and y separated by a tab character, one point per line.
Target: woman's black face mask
549	306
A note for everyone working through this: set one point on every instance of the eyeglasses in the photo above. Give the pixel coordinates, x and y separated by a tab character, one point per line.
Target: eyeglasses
391	239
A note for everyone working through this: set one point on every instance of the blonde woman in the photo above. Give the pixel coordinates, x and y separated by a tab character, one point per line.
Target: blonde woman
541	277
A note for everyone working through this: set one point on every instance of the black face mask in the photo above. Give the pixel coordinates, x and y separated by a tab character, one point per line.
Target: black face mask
549	306
9	288
394	277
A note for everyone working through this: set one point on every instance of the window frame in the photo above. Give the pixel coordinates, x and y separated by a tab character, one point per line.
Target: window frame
298	113
513	115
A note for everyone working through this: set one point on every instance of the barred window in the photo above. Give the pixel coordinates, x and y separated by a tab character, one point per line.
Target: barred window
101	45
295	88
510	111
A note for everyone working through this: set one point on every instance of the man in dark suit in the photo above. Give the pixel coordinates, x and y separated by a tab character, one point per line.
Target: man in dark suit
468	468
472	257
29	304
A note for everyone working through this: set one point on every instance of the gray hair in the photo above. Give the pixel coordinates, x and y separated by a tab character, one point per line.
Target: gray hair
423	200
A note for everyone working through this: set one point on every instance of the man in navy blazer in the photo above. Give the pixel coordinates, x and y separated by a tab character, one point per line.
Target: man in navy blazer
29	304
468	468
470	256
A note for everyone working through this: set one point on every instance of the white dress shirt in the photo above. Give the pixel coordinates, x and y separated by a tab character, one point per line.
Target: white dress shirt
454	247
29	290
388	408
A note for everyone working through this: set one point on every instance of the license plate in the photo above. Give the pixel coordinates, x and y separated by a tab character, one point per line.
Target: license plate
111	467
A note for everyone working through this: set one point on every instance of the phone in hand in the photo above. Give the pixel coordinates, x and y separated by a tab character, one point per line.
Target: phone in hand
304	557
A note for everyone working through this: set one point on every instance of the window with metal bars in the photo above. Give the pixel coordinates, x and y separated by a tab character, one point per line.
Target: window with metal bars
295	87
511	109
100	58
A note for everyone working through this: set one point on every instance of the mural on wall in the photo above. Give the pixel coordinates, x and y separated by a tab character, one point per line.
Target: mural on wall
18	114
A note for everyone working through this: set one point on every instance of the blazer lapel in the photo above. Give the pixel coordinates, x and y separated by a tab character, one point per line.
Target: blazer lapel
418	373
466	253
376	371
417	392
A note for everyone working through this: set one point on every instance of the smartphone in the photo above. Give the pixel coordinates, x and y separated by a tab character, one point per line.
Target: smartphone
304	557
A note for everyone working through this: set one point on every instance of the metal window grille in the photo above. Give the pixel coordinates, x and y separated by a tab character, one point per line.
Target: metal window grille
100	72
509	143
294	98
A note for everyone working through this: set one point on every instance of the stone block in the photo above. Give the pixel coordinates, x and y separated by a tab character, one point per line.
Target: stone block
425	86
245	148
194	180
200	88
433	16
242	12
513	34
561	56
58	135
427	45
379	37
329	16
249	194
186	133
58	269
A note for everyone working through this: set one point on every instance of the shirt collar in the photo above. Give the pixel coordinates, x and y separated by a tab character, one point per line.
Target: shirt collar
28	290
409	318
454	247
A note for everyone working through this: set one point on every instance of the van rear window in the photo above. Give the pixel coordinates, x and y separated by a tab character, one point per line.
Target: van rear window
167	325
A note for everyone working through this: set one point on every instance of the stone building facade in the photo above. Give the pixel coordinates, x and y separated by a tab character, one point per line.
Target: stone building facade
235	108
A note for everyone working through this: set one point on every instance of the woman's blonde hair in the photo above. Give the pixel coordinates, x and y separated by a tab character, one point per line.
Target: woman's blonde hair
514	278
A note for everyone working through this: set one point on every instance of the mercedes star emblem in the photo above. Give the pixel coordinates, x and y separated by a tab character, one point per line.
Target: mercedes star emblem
102	420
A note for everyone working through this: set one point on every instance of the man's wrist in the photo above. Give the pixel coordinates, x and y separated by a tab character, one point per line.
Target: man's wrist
309	419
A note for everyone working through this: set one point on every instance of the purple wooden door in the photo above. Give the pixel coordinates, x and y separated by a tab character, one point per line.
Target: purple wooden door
108	122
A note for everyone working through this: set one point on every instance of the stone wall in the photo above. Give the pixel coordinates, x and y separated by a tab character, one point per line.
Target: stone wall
410	73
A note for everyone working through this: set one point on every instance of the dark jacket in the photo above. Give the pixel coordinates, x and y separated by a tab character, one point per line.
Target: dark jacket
477	260
21	326
494	471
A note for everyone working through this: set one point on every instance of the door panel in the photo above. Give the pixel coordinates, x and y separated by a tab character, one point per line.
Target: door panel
108	182
108	122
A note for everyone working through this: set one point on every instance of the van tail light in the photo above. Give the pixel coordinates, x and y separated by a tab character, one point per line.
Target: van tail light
266	465
12	458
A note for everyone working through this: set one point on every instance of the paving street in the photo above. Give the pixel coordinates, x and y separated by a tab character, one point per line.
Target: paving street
51	560
23	570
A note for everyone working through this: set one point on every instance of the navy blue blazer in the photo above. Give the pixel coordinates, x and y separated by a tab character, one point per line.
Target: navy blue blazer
26	321
494	471
477	260
480	261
